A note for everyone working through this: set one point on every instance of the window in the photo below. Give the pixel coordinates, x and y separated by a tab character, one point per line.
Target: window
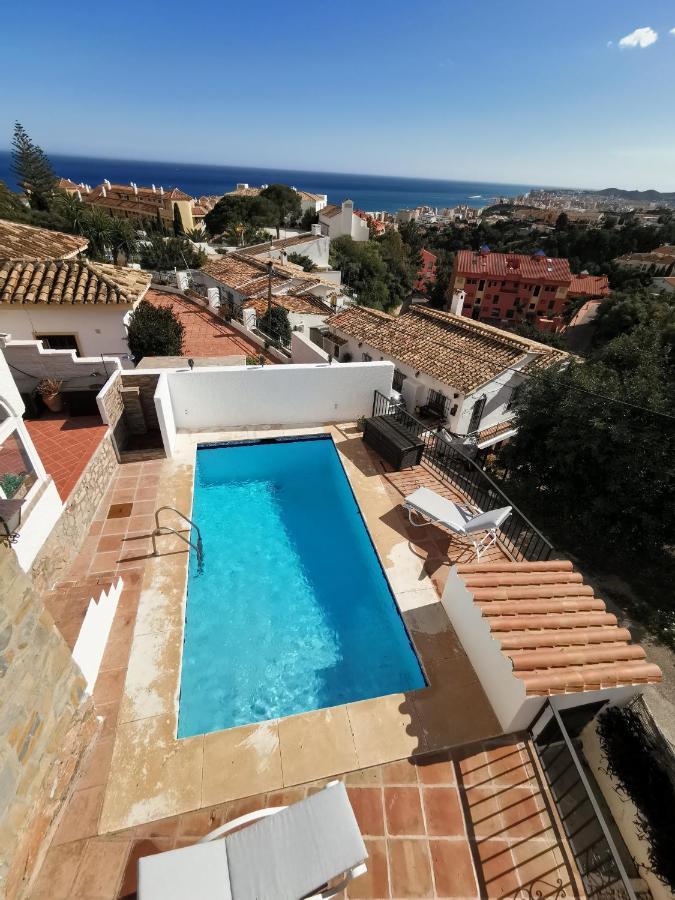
495	299
436	402
481	284
476	414
537	290
366	357
549	288
551	304
398	380
495	313
509	313
58	341
17	474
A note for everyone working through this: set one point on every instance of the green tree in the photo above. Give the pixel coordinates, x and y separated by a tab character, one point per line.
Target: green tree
402	264
71	208
562	222
301	259
308	218
162	254
32	169
11	207
623	312
276	325
602	473
96	226
551	338
286	203
122	239
154	331
439	295
233	209
364	272
178	229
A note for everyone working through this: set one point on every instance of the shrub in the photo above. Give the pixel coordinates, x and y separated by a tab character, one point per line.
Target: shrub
154	331
275	325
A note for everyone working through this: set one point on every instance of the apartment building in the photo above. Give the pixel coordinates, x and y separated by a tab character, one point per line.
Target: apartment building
341	221
508	288
426	274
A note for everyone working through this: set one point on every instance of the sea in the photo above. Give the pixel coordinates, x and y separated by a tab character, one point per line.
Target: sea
369	192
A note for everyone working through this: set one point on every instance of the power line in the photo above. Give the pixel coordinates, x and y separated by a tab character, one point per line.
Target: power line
524	374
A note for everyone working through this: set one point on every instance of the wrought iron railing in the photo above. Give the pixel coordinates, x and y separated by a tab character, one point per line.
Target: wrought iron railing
517	535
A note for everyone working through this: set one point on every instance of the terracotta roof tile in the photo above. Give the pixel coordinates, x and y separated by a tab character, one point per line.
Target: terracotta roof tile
513	265
558	636
456	350
329	211
589	286
296	303
19	241
69	281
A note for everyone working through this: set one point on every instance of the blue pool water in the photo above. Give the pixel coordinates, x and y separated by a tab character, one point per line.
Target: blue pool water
292	611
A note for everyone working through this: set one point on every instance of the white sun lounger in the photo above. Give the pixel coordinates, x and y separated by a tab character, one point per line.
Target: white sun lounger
437	510
289	853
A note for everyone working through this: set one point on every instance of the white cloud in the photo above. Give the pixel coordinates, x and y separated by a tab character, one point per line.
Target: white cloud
672	31
641	37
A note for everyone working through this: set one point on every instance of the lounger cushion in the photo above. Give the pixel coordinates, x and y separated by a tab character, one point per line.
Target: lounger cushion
295	851
188	873
438	508
487	520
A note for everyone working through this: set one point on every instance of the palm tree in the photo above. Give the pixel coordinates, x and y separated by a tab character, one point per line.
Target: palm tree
96	227
72	209
122	239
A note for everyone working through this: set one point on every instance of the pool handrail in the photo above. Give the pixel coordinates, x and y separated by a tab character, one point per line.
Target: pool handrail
165	529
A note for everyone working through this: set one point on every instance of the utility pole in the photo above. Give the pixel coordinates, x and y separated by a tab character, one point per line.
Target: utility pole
269	299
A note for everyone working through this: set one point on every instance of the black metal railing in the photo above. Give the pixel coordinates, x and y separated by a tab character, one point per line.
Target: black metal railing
517	535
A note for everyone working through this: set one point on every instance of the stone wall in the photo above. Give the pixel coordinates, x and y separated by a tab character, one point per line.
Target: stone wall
112	411
63	543
147	385
45	724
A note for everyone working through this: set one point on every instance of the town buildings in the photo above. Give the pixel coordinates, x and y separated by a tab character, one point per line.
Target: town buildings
459	372
508	288
660	262
341	221
309	202
426	274
141	204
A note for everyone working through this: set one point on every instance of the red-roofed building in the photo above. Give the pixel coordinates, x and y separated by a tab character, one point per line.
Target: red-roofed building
590	287
426	274
509	288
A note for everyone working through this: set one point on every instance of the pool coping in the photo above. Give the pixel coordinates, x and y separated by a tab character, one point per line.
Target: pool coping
154	774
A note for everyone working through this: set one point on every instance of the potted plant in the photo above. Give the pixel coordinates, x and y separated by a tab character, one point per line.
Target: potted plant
49	389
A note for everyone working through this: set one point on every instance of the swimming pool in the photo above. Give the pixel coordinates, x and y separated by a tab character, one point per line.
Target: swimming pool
292	611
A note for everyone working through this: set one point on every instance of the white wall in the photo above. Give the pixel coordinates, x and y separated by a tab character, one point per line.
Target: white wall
36	525
497	393
75	371
9	392
213	398
98	329
305	351
167	425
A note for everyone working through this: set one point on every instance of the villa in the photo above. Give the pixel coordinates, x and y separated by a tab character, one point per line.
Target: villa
185	643
459	372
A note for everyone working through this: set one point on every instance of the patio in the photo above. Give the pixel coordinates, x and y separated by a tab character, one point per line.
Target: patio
189	785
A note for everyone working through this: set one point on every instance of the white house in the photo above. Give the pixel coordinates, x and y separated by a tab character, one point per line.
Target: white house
71	304
338	221
312	244
458	371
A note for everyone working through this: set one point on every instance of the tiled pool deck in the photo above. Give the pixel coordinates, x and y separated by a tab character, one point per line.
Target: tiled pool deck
139	773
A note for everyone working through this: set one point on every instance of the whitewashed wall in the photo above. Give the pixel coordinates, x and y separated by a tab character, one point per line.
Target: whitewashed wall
305	351
27	356
167	425
213	398
98	329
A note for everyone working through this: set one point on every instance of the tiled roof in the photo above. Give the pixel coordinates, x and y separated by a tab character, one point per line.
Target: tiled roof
558	636
458	351
65	184
69	281
232	270
281	244
307	195
245	192
259	285
244	274
513	265
329	211
589	285
27	242
296	303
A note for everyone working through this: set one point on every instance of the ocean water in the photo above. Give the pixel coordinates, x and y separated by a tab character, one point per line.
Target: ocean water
369	192
292	611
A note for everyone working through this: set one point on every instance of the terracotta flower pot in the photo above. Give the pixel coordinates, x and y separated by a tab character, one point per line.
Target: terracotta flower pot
53	402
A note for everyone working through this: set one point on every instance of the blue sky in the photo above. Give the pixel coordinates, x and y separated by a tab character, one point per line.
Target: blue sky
519	91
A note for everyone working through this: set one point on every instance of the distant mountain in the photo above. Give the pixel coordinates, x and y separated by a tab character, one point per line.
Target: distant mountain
644	196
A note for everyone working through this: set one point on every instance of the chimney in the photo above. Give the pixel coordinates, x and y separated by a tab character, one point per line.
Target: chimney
154	189
79	195
316	228
457	302
107	183
161	191
135	189
104	193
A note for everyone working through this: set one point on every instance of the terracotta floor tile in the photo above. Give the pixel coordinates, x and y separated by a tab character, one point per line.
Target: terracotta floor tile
410	868
539	866
497	868
442	812
453	869
108	712
484	812
375	883
101	869
58	872
403	810
523	813
367	803
402	771
109	542
364	776
436	769
80	818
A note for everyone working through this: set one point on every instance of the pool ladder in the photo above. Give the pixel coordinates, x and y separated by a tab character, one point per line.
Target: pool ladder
198	547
